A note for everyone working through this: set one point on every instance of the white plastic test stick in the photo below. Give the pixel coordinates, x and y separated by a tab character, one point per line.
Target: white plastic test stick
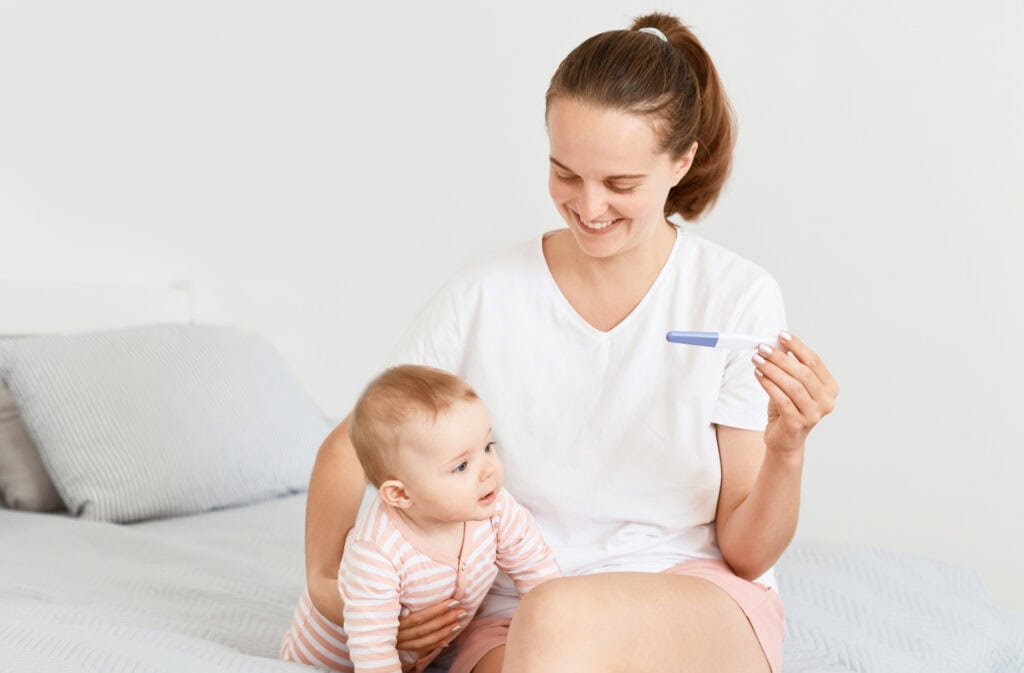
722	340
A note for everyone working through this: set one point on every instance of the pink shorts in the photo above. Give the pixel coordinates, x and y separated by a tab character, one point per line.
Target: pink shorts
760	604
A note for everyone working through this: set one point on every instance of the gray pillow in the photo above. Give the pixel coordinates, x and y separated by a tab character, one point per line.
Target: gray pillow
163	420
24	483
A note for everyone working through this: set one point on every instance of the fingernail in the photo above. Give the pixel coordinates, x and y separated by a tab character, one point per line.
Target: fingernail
456	628
767	350
462	616
785	336
758	359
453	605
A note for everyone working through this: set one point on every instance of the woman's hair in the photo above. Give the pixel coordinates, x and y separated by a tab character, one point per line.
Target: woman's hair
673	82
389	402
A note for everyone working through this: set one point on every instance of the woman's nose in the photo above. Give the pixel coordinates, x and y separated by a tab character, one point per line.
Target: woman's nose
592	204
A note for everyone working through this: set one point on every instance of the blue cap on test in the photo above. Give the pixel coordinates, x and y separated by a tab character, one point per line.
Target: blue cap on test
709	339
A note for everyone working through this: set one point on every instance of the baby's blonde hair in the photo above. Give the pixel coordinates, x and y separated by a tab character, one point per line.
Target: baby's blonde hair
388	403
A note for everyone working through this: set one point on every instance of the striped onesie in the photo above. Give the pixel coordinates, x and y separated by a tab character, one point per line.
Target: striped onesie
386	568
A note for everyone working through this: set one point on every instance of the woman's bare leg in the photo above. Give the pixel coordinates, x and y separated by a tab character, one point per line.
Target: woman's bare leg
491	662
631	623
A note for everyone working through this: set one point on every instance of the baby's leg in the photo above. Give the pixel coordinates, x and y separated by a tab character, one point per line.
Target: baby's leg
315	640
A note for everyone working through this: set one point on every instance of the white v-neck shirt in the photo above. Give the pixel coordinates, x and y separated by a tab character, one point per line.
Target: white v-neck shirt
607	437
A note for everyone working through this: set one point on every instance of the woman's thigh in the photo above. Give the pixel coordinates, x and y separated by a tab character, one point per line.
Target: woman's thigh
635	622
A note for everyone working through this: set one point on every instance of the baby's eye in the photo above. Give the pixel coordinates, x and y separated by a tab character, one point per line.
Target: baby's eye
461	467
489	447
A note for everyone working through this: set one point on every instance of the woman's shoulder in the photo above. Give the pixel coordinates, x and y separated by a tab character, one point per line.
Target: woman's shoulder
718	265
733	289
519	262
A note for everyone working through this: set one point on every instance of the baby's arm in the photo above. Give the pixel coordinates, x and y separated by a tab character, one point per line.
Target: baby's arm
522	552
369	588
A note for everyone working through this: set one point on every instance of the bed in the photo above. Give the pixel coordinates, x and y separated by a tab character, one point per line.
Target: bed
200	569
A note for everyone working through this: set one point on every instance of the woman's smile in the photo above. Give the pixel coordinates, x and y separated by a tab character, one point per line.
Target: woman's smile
598	227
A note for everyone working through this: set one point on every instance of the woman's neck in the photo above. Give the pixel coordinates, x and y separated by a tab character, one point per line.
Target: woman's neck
635	268
604	291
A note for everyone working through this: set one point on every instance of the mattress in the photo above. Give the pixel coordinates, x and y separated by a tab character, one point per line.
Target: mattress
215	592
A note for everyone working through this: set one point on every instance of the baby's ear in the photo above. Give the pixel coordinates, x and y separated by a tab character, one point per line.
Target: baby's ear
393	493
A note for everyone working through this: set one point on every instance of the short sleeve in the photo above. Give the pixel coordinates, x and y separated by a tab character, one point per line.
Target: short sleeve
742	402
433	339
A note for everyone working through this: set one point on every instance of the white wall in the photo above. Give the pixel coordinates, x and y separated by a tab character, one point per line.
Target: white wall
320	169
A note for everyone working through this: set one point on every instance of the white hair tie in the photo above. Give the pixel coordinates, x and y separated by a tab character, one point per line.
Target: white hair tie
654	31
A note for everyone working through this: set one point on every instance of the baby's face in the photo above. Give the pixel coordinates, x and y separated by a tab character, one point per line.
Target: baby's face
449	466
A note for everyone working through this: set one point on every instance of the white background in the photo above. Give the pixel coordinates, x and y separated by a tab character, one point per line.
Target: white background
321	168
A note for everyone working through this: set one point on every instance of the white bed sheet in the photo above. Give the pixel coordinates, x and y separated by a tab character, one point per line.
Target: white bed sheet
215	592
212	592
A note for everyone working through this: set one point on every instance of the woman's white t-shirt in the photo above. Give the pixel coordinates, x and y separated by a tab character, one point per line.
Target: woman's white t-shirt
607	437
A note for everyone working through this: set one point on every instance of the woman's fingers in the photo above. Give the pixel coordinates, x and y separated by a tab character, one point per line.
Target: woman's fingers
792	377
815	364
431	627
802	376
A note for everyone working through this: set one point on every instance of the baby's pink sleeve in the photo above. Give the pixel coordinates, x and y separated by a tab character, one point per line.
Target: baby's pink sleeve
522	552
369	587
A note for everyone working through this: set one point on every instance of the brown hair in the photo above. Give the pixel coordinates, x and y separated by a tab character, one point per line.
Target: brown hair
388	402
675	83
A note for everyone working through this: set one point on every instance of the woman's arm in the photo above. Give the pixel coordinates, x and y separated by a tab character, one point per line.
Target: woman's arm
759	502
335	491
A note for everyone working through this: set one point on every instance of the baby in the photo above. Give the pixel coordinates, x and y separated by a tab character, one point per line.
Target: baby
440	525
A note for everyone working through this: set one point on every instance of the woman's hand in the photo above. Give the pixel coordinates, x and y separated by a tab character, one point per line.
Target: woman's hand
426	630
801	391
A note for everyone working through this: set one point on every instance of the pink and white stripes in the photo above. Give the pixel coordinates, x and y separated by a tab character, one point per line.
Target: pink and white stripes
386	568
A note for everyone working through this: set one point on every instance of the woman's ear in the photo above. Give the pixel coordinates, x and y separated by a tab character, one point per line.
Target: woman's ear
393	493
684	163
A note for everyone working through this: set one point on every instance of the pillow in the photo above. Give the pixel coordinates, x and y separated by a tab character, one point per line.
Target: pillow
24	483
163	420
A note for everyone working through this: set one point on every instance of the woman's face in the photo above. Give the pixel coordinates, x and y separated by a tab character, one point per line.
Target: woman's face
608	179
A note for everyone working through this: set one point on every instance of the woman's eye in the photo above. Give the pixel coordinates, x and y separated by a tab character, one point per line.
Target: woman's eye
622	190
461	467
566	178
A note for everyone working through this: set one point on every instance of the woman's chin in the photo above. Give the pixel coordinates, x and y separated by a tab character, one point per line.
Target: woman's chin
596	246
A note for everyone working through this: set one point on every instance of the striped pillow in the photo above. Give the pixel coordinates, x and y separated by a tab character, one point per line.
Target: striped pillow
162	420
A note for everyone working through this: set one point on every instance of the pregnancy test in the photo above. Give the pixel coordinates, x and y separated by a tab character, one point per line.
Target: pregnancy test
721	340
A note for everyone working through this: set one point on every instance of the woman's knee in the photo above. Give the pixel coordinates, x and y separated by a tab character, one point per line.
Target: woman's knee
543	622
545	609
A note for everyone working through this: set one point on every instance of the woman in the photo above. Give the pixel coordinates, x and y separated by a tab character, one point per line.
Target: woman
666	478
